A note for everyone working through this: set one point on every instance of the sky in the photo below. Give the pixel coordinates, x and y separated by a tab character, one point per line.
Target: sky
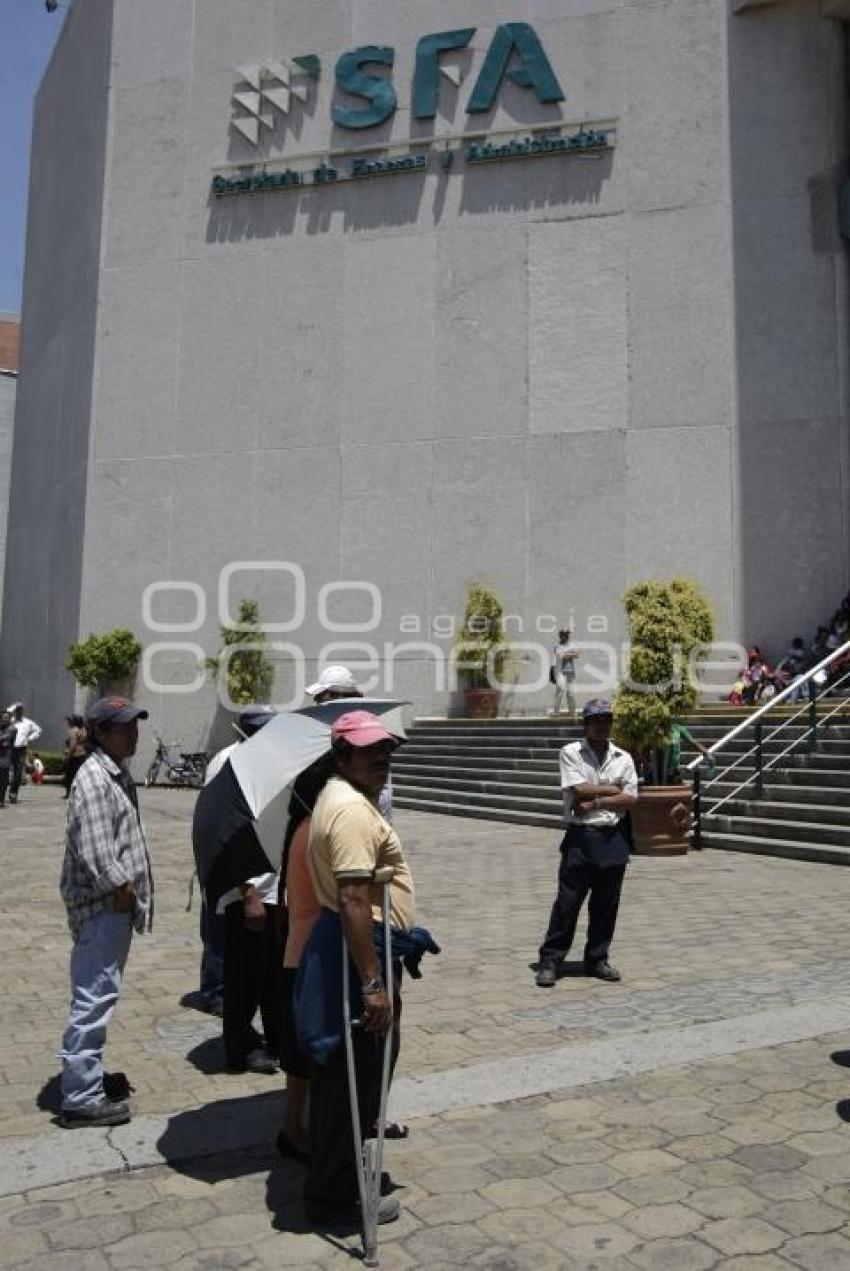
27	36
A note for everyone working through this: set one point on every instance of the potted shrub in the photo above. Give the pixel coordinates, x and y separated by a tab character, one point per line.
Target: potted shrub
250	674
106	663
481	652
667	621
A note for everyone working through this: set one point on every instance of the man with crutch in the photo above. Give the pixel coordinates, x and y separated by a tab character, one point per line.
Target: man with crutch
353	849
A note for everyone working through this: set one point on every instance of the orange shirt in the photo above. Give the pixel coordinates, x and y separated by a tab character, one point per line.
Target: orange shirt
302	903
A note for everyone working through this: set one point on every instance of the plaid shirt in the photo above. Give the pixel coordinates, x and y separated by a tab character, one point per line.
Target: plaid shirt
104	846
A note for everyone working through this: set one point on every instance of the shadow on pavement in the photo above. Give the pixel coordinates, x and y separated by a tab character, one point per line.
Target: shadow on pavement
208	1056
566	971
283	1200
49	1097
225	1139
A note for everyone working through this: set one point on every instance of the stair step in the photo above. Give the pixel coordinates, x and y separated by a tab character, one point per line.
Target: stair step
768	827
506	815
781	794
485	799
792	849
815	814
448	781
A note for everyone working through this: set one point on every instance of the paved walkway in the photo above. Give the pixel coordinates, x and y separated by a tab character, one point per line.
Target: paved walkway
692	1117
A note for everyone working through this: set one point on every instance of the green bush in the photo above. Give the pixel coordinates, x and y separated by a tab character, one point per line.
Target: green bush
481	638
250	675
667	621
53	760
104	659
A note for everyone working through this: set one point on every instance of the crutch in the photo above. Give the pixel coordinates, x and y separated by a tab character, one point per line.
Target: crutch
368	1153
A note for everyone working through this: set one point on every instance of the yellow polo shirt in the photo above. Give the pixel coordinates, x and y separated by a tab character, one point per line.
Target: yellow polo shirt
350	839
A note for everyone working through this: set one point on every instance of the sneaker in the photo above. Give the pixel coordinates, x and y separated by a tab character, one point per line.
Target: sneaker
103	1112
604	971
260	1060
349	1220
546	976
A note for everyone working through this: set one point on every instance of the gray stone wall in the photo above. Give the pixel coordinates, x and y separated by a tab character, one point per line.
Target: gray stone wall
788	160
47	506
533	374
523	376
8	384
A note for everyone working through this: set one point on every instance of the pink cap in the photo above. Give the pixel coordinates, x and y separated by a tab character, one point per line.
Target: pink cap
361	728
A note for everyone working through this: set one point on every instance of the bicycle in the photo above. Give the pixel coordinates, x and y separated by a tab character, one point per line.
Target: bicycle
189	770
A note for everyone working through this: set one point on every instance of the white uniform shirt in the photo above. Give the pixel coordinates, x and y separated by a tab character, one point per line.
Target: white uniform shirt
26	730
565	666
580	766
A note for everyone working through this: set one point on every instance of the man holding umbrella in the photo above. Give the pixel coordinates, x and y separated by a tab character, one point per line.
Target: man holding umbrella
349	841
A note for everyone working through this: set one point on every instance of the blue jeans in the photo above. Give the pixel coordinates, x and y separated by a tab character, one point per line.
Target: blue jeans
97	965
212	958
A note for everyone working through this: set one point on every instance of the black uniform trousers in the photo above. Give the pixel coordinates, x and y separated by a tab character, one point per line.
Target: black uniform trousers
331	1186
593	862
19	755
253	973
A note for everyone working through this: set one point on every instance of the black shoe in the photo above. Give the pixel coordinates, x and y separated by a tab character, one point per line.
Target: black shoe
604	971
103	1112
260	1060
546	976
344	1221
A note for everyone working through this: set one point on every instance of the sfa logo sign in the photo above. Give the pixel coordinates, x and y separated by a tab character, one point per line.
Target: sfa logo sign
515	53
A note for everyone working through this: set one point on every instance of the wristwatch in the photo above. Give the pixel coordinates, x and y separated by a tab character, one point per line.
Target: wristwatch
375	985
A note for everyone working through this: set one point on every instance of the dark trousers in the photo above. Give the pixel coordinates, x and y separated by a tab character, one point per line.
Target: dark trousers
575	880
253	962
212	956
72	767
4	782
331	1185
19	754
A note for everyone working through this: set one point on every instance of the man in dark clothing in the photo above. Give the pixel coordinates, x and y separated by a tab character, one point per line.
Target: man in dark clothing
599	782
7	739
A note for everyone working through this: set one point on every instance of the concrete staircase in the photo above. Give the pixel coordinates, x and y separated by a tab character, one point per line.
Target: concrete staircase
507	770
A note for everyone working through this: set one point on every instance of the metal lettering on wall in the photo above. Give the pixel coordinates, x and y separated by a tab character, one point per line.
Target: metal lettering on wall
269	91
515	53
439	156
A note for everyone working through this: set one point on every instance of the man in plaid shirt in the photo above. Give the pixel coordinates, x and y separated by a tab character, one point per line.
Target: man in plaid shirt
107	887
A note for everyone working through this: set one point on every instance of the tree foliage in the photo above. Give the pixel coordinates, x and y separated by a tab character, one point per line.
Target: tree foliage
250	674
667	622
104	659
481	640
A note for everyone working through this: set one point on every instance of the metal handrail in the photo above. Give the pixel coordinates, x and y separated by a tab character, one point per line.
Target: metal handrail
757	749
774	701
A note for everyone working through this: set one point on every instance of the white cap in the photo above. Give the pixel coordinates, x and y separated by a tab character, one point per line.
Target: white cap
334	679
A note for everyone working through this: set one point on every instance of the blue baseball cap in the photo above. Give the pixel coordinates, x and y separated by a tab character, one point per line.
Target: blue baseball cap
114	710
596	706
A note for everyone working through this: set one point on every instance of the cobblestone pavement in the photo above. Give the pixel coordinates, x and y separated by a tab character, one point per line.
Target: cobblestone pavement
739	1161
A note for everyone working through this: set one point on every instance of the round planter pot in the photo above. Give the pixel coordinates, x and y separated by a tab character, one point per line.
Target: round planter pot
481	703
661	821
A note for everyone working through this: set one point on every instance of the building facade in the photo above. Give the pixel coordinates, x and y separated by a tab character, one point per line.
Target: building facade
354	303
9	349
